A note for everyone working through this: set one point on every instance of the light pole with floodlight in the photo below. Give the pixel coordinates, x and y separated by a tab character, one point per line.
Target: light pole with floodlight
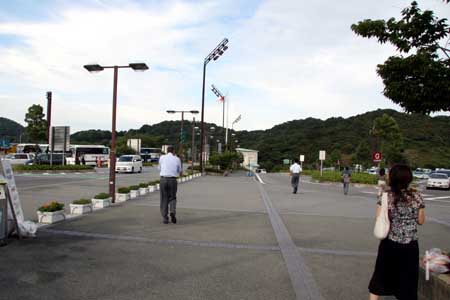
112	154
214	55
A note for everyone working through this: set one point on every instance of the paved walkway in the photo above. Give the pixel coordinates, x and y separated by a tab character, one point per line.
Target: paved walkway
235	239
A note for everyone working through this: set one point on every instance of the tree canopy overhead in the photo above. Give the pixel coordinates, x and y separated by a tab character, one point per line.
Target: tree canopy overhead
419	82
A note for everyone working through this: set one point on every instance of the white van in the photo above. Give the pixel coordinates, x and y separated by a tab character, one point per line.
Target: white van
19	158
129	163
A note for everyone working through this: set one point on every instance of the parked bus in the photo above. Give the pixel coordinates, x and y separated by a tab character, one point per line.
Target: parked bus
150	154
31	148
88	154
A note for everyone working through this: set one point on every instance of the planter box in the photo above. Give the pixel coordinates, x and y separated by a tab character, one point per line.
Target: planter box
51	217
122	197
143	191
157	187
80	209
151	188
134	194
190	177
101	203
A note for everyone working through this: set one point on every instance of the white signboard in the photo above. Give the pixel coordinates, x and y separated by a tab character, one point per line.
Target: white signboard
322	154
302	158
135	144
14	194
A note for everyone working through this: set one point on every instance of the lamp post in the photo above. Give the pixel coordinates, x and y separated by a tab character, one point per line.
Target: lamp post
222	99
214	55
182	133
112	154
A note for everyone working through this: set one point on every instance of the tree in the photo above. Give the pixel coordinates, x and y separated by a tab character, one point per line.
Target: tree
363	155
226	160
389	139
37	125
419	82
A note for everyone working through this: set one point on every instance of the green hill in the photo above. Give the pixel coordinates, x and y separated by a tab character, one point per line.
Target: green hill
10	130
426	139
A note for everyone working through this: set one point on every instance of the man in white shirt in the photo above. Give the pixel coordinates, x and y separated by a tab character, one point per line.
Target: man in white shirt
295	171
169	167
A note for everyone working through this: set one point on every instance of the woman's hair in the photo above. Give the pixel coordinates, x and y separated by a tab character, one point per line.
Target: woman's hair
382	172
400	176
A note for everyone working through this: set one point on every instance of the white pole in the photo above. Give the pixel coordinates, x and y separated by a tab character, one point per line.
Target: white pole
321	166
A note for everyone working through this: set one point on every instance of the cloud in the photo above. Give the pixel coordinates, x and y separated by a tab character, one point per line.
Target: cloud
287	60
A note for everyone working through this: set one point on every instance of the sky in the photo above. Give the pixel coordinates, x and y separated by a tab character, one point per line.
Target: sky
287	59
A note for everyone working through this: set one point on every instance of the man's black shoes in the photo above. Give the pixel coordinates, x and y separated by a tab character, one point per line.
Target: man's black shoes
173	218
166	221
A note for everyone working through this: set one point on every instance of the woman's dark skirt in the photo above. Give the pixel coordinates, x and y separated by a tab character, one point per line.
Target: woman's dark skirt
396	270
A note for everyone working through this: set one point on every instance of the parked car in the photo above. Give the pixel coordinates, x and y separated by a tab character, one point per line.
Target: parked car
19	158
129	163
372	171
262	171
44	159
420	174
438	180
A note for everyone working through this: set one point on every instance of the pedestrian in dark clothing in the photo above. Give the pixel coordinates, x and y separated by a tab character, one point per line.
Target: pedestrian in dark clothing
346	175
83	161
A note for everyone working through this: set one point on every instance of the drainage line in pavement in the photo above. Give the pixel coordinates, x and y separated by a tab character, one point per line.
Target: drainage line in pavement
302	280
162	242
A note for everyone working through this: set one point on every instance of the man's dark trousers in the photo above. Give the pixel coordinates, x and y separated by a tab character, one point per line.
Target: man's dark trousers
168	193
294	181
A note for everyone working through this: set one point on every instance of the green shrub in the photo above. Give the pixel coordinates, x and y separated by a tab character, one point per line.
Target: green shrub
123	190
51	168
101	196
51	207
134	187
335	176
143	185
81	201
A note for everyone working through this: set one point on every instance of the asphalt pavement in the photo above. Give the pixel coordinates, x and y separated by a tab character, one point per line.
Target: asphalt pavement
236	238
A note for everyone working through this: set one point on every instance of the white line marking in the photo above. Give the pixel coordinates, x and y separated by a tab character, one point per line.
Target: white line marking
259	178
436	198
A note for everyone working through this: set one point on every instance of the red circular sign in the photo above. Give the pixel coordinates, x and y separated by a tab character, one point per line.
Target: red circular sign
377	156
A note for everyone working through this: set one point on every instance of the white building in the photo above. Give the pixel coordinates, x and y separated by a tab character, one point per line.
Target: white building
250	158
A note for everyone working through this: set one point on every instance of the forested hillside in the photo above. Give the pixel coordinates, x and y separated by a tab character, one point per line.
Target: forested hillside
10	130
426	140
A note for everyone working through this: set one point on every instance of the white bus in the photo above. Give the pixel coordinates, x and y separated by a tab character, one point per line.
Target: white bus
88	154
150	154
31	148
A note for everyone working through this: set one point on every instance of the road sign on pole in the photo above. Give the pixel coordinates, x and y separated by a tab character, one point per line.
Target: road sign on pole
377	157
322	155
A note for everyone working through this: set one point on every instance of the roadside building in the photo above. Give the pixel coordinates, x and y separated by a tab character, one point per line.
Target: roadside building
250	158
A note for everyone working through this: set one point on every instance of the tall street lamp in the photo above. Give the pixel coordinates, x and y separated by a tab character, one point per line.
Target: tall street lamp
222	99
182	135
214	55
112	154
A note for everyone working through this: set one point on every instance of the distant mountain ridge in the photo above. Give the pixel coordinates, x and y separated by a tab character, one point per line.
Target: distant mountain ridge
10	130
426	139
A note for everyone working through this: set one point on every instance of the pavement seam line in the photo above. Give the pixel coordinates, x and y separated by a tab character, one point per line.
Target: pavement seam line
301	277
162	242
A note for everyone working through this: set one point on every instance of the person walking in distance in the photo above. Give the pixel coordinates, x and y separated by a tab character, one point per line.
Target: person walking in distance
346	175
295	171
169	167
397	266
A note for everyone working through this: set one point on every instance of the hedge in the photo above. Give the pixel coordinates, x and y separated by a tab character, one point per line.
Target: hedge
335	176
82	201
51	168
101	196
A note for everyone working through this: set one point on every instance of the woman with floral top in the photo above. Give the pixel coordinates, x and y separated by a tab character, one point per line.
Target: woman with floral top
397	266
